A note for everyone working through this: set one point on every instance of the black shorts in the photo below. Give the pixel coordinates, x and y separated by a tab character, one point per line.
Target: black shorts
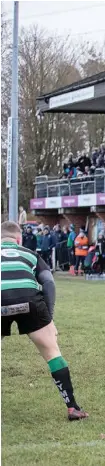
37	318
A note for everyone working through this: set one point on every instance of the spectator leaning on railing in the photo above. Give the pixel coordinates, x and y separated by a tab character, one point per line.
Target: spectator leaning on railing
84	164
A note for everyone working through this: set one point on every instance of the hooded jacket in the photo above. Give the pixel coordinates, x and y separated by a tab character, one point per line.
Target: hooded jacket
81	245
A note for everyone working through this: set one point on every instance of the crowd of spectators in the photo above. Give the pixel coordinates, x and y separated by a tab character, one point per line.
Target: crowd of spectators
71	249
84	165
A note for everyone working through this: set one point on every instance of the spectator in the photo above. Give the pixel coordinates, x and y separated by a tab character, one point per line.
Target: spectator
87	161
39	238
70	155
29	239
80	164
92	170
60	237
81	249
87	171
70	245
47	246
79	173
66	232
94	156
66	170
22	217
101	242
59	234
100	161
100	251
74	174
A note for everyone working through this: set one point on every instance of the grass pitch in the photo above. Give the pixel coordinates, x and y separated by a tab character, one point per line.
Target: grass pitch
35	430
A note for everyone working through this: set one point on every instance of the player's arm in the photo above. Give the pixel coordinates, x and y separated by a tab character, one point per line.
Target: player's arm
45	278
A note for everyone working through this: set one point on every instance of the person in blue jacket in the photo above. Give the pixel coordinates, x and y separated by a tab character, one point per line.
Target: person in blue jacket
48	244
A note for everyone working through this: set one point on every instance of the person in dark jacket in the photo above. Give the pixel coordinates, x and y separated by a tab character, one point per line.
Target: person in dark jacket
100	247
47	246
59	234
60	237
29	239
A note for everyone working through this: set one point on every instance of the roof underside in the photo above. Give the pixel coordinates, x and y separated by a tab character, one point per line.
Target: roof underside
86	96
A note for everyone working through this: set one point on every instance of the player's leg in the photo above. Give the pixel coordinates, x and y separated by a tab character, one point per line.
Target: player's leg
39	326
46	341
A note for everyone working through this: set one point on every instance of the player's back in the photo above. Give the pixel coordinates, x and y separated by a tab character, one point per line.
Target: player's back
18	282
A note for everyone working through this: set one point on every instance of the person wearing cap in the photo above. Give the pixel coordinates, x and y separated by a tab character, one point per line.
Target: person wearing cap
29	239
48	244
81	249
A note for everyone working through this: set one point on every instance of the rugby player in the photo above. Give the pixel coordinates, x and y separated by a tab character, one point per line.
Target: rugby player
22	301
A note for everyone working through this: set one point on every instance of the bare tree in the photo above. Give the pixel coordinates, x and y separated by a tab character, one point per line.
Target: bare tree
44	65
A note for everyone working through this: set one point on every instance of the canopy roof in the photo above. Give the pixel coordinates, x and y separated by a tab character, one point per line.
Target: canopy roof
85	96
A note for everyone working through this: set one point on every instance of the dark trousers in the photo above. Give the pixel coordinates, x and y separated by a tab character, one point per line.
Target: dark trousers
71	254
102	263
78	260
47	257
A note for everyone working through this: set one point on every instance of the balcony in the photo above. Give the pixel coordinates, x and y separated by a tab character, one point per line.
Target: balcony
46	187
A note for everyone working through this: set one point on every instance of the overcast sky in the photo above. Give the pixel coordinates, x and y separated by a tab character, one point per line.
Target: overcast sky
75	17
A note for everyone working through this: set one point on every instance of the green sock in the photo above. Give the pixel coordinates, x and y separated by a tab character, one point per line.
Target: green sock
56	364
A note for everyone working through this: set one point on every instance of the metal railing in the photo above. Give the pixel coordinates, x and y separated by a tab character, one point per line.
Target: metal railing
64	187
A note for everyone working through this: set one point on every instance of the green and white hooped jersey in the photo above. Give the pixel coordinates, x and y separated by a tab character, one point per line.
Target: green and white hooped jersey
18	267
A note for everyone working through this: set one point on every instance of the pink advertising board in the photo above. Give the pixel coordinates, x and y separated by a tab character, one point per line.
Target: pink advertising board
38	204
69	201
100	199
85	200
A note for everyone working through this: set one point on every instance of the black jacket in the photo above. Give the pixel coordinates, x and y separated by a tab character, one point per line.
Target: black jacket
29	241
60	237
